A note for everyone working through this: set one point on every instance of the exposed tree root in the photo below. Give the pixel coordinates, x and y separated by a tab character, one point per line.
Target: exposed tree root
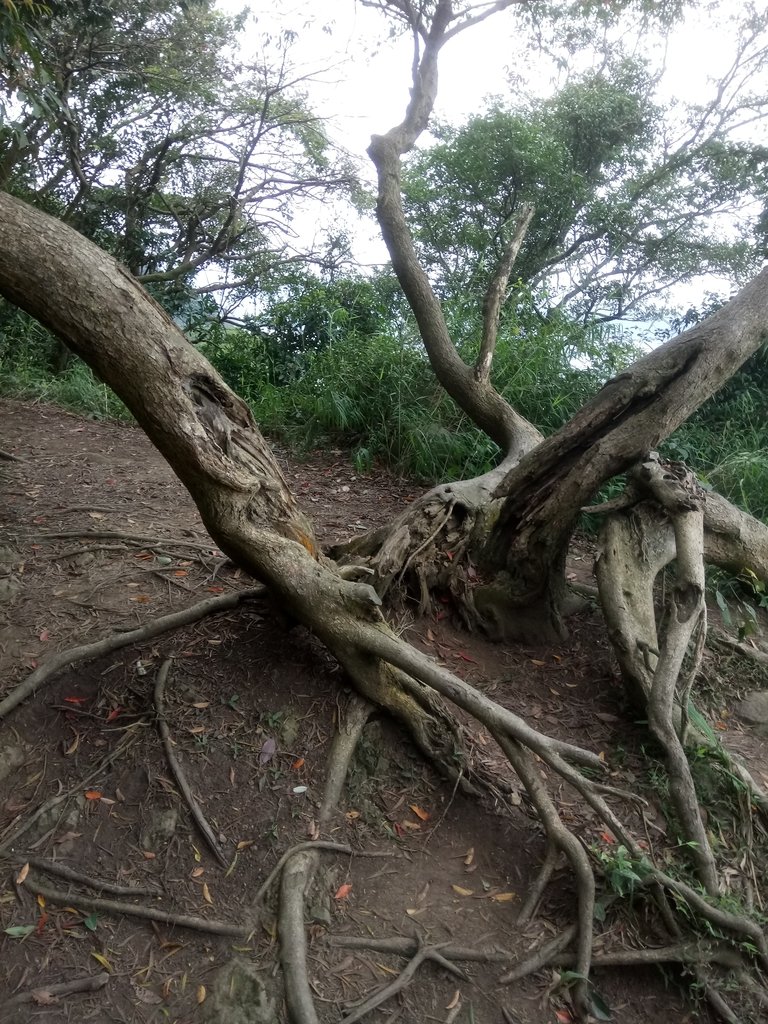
431	546
129	538
555	952
744	649
321	845
13	833
91	983
10	457
80	902
51	867
404	979
87	652
536	891
298	872
635	546
173	762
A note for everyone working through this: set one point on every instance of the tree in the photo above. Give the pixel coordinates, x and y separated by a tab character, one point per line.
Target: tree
514	524
137	124
620	213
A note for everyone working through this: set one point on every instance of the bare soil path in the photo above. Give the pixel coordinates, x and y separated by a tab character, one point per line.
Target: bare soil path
251	709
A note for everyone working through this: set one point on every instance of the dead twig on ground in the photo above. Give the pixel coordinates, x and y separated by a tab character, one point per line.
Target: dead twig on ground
176	770
87	652
10	457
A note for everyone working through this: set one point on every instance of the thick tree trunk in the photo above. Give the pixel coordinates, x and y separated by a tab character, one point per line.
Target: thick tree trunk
544	493
209	438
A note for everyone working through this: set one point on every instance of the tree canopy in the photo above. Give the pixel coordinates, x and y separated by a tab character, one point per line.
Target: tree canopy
145	127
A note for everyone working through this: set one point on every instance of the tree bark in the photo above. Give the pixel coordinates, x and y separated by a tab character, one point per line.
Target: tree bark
544	493
472	391
210	439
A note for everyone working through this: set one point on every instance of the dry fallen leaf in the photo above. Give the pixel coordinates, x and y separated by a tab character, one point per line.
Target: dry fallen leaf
469	856
455	1001
43	997
93	794
245	843
197	872
22	874
207	893
200	994
462	891
419	812
504	897
343	891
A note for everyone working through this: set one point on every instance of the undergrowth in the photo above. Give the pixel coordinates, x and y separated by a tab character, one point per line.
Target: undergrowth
375	394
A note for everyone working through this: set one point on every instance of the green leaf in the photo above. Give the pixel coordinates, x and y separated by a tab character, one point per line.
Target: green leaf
723	606
599	1009
91	922
19	931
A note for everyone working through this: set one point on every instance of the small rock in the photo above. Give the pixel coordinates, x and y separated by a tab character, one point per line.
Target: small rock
239	995
65	825
11	757
320	914
9	588
754	711
159	829
8	558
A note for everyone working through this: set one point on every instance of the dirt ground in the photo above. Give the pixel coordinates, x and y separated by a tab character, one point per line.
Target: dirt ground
251	710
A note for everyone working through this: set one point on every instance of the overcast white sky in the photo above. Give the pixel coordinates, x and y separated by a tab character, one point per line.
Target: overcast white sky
361	78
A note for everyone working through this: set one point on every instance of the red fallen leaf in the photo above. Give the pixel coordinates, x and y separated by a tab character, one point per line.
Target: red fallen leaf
298	763
465	657
113	714
141	598
45	635
399	830
449	555
41	923
75	700
180	572
607	837
110	481
563	1016
419	812
215	590
92	794
343	891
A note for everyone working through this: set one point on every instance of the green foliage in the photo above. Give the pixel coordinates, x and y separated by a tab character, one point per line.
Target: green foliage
325	363
622	872
726	440
170	151
620	214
